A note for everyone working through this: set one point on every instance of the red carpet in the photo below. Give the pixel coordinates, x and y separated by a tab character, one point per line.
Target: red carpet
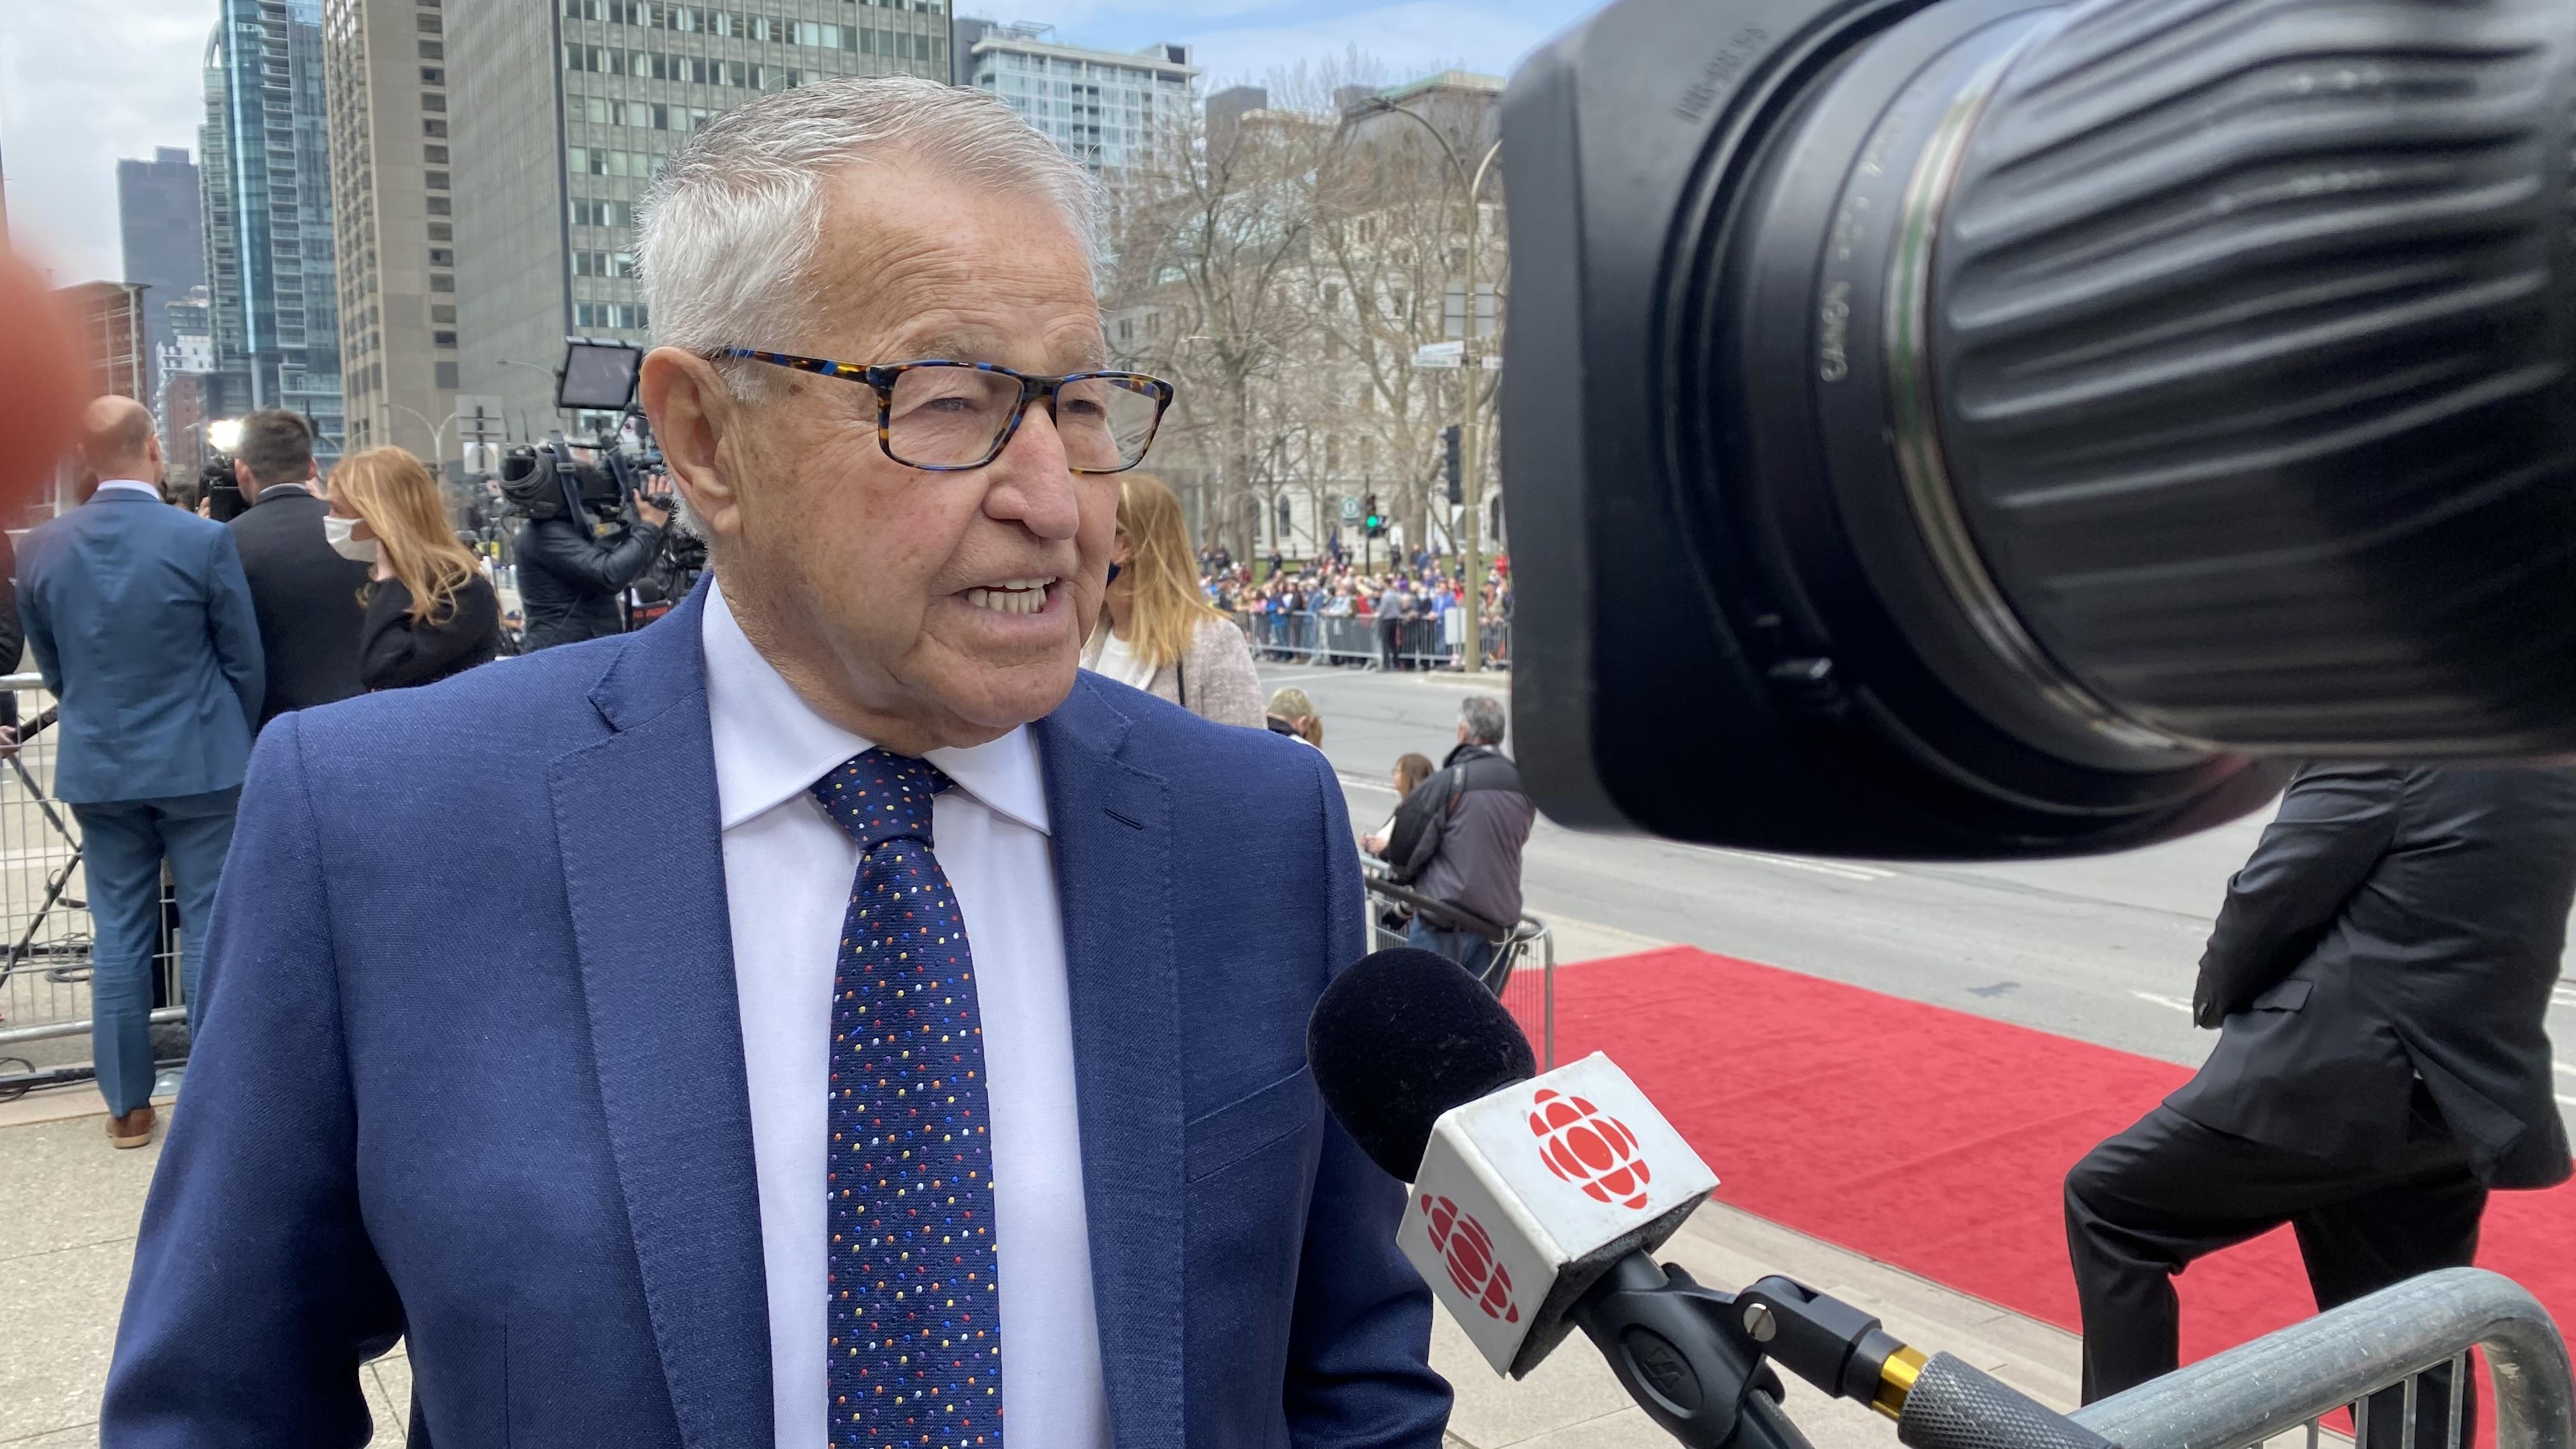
1937	1140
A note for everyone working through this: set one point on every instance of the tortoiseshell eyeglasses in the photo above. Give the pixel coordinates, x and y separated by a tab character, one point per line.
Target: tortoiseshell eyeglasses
948	417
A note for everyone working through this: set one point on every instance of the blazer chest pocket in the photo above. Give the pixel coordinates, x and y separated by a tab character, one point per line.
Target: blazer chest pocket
1217	1140
2288	996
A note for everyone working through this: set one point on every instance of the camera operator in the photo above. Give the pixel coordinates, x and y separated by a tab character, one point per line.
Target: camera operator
570	575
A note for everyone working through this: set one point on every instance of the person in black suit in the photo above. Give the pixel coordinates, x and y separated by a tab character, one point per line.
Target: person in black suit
2378	977
305	594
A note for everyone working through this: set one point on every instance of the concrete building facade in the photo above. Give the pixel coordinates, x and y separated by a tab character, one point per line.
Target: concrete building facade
267	203
385	88
1106	108
565	111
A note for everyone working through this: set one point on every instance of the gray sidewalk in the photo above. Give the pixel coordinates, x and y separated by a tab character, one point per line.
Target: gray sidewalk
69	1206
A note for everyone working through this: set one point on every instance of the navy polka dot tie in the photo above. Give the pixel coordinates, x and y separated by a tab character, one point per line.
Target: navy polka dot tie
913	1316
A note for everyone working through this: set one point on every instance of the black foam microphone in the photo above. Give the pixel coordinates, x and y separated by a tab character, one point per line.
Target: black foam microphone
1402	1037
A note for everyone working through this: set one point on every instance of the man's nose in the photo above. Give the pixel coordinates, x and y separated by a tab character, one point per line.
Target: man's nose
1032	483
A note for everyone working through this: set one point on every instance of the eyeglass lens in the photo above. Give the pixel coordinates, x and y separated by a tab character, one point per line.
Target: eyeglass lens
949	417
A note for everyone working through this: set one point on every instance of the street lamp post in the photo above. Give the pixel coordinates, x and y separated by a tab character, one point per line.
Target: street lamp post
437	433
1471	362
551	378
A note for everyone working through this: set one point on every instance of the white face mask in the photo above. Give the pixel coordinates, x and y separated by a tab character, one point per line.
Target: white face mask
338	531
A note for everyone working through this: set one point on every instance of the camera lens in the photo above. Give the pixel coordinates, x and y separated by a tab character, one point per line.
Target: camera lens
2041	414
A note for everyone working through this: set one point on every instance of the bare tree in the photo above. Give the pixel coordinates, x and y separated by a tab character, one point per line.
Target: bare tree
1282	262
1209	239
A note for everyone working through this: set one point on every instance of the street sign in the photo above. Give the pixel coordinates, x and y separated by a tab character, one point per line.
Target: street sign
1440	355
1350	509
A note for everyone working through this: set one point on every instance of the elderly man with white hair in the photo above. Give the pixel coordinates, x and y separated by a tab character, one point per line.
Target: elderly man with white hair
809	1020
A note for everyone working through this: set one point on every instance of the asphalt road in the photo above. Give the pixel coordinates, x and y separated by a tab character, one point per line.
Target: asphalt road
2102	949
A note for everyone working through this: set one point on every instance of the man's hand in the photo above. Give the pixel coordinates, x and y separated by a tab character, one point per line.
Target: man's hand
2207	1011
1373	844
658	517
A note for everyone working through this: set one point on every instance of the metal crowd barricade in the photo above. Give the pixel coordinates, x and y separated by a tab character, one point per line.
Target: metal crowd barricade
2371	1356
44	919
1350	639
1530	995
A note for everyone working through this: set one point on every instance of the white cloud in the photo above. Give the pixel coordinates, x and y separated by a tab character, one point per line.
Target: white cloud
78	90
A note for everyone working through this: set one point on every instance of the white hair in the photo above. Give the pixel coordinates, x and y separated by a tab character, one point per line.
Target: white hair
727	235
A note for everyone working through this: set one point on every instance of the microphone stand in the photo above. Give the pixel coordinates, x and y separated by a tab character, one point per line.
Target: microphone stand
1697	1361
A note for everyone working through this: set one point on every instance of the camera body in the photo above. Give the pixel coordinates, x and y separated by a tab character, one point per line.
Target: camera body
221	488
1998	428
545	481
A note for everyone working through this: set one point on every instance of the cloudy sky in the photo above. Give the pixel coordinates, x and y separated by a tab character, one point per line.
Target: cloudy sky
77	91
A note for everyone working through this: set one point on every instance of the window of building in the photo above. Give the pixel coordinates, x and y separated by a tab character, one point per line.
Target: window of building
433	127
437	180
441	231
432	50
438	206
434	155
432	101
442	281
428	24
442	312
442	257
431	75
442	339
447	376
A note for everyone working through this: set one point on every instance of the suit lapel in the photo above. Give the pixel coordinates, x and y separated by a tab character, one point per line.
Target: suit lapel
644	869
1111	827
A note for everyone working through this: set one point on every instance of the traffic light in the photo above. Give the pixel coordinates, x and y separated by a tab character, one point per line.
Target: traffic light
1449	463
1372	521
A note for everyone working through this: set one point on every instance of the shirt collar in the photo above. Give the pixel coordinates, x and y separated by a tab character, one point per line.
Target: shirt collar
129	485
771	746
268	491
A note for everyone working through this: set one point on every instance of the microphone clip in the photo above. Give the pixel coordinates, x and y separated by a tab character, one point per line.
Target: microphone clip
1683	1353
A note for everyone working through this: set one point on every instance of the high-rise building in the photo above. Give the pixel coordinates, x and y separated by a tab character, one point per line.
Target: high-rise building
113	333
266	164
164	239
384	71
1106	108
186	366
565	111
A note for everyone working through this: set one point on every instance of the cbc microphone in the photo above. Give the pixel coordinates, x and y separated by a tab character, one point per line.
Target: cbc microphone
1536	1200
1526	1188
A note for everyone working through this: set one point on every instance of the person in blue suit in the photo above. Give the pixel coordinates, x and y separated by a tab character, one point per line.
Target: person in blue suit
825	1016
140	621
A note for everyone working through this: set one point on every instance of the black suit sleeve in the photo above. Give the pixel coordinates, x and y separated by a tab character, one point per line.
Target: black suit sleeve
2335	823
570	553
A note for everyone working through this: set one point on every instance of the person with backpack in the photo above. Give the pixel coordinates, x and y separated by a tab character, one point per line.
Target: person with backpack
1457	840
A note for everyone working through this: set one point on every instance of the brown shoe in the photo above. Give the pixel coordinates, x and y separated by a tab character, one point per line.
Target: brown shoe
134	1129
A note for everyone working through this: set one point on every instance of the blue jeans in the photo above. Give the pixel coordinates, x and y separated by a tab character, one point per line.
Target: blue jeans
123	843
1464	947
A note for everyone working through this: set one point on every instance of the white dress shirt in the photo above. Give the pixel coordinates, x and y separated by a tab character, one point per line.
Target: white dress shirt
130	485
788	871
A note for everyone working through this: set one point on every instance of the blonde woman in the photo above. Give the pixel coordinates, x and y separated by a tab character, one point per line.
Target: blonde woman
430	611
1157	631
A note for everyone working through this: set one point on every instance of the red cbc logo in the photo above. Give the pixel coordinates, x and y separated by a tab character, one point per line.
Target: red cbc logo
1468	1249
1589	1148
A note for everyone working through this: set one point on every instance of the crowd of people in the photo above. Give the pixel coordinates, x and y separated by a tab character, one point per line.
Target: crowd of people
1407	603
170	641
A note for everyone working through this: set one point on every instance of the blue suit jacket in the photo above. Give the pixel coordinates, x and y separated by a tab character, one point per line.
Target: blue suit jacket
471	1071
141	622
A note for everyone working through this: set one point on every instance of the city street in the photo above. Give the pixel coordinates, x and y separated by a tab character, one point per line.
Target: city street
2102	950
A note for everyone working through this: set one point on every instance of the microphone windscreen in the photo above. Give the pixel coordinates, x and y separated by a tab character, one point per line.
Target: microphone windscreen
1401	1037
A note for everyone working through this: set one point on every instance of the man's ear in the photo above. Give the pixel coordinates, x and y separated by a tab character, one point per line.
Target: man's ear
248	485
691	408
